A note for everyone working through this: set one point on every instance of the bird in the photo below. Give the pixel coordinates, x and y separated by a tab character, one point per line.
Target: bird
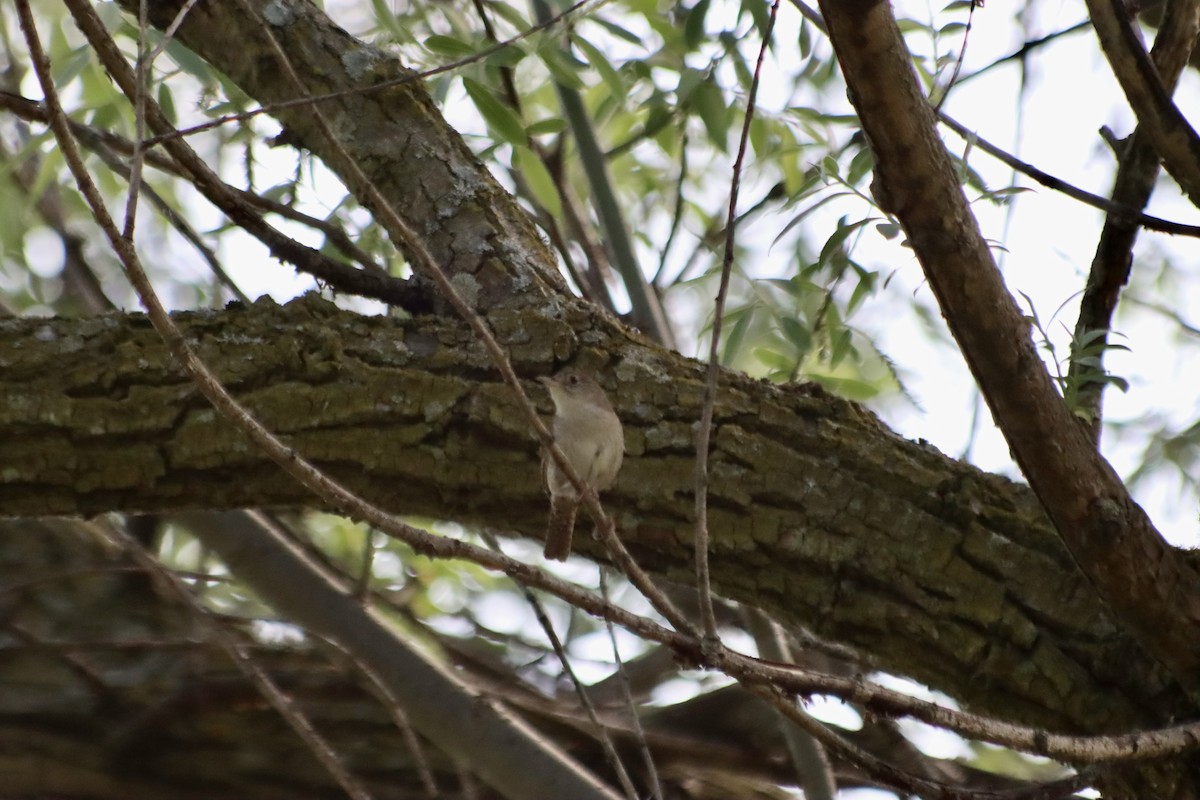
589	433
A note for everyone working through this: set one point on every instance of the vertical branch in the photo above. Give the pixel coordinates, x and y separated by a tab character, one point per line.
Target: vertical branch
647	311
704	433
1136	176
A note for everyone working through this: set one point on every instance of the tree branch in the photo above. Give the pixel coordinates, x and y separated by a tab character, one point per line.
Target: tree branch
1165	127
1137	173
1149	586
96	418
502	749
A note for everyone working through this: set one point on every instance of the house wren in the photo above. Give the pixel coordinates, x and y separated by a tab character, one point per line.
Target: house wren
588	432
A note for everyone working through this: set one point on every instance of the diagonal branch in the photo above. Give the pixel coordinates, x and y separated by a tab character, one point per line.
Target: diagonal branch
1136	176
1149	586
503	749
1165	127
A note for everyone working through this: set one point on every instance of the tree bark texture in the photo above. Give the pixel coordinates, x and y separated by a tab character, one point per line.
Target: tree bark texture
819	513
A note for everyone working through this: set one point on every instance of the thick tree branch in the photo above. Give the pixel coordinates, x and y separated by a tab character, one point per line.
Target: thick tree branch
96	418
394	141
1152	589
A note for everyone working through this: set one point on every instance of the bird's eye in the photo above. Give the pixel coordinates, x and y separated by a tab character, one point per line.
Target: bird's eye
573	380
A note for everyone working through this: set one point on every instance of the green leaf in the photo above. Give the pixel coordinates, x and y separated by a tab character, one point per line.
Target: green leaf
502	119
733	342
617	30
507	56
798	334
390	22
693	26
537	177
888	230
563	67
510	15
709	103
449	46
167	101
833	245
862	163
864	288
548	125
849	388
66	70
774	359
805	38
191	63
758	11
841	347
616	86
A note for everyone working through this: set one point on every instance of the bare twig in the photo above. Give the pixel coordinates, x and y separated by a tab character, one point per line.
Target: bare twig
589	708
1057	184
814	773
1081	493
240	655
1114	209
704	431
635	719
899	779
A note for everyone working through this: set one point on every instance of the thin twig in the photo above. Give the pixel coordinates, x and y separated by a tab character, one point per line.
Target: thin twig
677	213
703	584
175	220
316	743
1024	50
962	54
239	654
589	708
1137	173
897	778
814	773
330	491
1059	185
635	719
108	145
140	74
1131	746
